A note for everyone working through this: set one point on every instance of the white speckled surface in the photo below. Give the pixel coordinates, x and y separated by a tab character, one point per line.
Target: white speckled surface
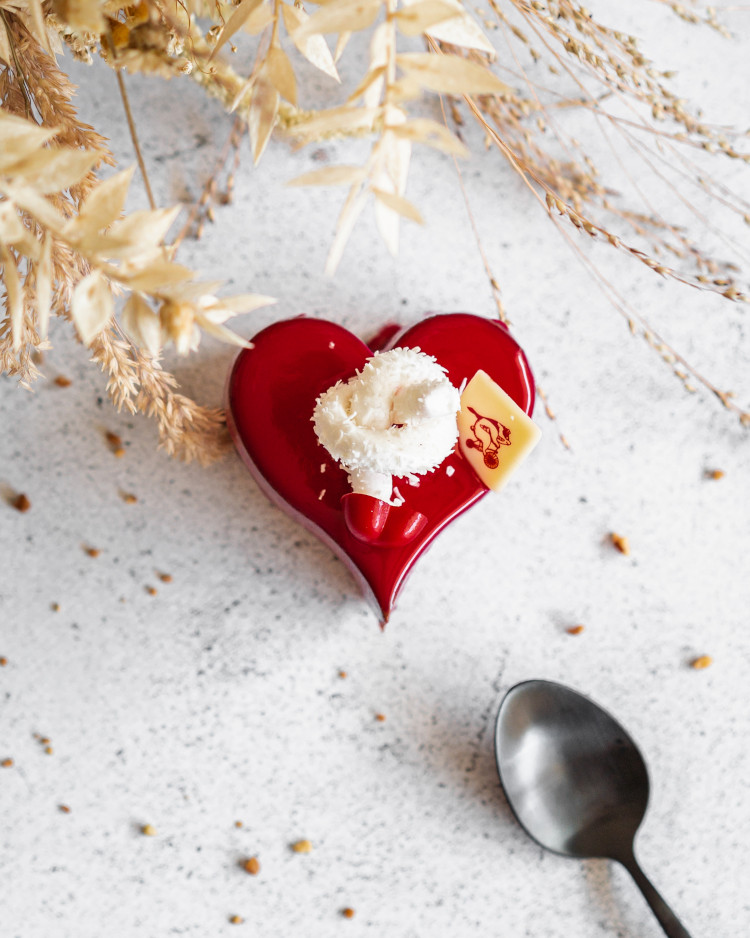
219	699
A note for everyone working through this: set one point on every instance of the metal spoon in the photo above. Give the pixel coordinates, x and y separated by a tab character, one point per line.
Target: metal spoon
575	780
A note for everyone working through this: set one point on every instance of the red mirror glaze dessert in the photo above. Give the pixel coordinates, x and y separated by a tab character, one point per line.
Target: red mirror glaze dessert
272	393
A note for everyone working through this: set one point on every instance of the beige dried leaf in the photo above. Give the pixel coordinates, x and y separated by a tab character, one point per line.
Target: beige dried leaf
398	204
157	274
388	224
235	22
190	292
451	74
258	20
14	296
105	203
330	176
314	48
328	123
224	307
394	155
379	56
142	324
12	229
374	77
54	170
460	30
91	306
219	331
264	108
40	29
405	89
101	247
396	151
339	16
431	134
144	228
416	18
20	138
281	74
44	286
35	204
341	44
392	169
351	211
6	55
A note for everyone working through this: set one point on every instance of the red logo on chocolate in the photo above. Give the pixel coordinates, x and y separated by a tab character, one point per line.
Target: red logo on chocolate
489	436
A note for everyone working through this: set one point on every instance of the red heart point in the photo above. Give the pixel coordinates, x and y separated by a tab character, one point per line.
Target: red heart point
272	391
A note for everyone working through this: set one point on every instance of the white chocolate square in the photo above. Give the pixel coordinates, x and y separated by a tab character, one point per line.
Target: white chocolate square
495	434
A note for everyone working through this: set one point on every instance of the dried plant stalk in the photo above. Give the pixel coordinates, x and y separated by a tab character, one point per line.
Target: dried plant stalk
67	251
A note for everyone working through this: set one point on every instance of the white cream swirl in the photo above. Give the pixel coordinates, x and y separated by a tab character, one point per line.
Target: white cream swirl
394	418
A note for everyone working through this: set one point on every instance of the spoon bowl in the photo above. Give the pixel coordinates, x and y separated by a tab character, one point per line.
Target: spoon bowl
575	780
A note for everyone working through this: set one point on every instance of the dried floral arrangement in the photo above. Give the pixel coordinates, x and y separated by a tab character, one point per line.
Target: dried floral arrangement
66	249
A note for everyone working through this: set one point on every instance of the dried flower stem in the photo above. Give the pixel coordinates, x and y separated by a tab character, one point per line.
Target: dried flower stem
134	138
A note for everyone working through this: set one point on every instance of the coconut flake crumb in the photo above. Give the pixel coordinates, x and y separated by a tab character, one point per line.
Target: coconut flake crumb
449	471
322	493
331	345
462	386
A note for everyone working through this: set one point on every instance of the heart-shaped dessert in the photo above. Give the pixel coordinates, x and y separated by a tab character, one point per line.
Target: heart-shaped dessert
272	393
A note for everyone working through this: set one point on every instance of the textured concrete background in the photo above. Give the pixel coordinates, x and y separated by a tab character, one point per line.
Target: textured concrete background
218	699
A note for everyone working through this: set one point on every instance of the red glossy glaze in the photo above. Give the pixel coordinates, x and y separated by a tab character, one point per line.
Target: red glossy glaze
378	523
272	391
365	516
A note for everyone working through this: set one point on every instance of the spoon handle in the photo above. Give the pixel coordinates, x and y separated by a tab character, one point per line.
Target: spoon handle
672	926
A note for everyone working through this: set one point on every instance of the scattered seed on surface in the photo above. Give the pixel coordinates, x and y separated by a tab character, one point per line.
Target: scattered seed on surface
343	674
6	763
148	830
62	382
151	590
3	661
302	846
238	823
251	866
236	920
347	912
119	452
701	662
165	577
49	750
113	438
21	503
715	473
63	808
55	607
380	717
129	498
620	543
92	551
575	629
